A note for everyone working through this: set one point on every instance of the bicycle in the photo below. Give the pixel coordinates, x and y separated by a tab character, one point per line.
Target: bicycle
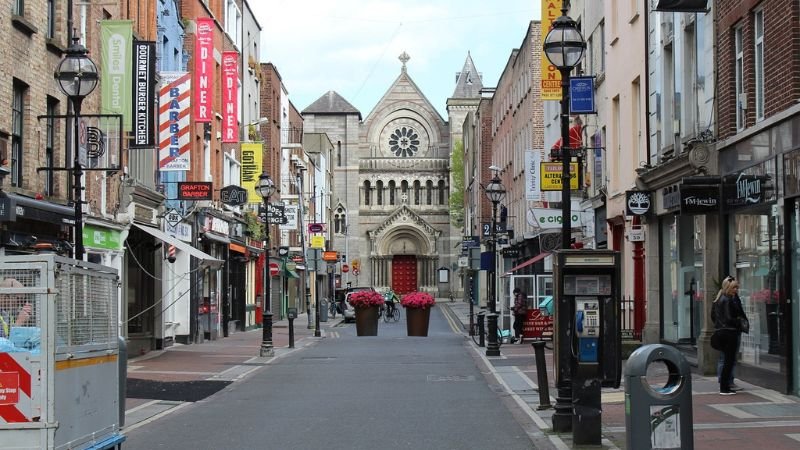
333	308
503	336
394	314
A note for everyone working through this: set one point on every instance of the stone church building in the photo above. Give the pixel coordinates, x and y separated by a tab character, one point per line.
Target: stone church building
390	200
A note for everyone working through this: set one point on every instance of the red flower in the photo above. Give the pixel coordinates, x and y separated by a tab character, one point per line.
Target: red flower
419	300
365	299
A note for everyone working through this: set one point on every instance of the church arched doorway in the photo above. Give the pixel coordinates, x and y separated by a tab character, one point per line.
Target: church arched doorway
404	274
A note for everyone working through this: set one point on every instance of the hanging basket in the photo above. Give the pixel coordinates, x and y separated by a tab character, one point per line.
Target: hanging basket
417	320
367	321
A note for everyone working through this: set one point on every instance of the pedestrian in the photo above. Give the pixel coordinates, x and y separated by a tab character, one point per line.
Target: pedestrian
727	314
520	313
14	311
741	317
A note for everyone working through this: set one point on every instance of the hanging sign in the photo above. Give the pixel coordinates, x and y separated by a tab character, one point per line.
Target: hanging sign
581	95
638	203
230	97
233	195
173	121
204	69
194	190
144	92
551	176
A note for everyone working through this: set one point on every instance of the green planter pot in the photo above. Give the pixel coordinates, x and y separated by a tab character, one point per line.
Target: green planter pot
367	321
417	320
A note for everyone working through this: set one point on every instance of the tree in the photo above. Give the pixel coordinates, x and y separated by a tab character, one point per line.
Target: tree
457	184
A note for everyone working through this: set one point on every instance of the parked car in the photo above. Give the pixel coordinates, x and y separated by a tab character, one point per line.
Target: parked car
350	312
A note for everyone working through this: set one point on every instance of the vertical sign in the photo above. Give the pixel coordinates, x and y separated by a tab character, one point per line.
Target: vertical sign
252	162
230	96
551	77
116	72
173	121
533	189
204	69
144	57
581	95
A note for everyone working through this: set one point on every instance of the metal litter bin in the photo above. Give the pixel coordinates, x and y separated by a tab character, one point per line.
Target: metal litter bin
658	417
323	310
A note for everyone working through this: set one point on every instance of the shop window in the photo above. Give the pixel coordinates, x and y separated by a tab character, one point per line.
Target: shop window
758	62
17	132
741	100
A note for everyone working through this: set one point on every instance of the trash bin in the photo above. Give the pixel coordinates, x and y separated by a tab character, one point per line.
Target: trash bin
658	417
323	310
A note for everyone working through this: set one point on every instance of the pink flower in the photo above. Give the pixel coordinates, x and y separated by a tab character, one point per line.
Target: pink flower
365	299
420	300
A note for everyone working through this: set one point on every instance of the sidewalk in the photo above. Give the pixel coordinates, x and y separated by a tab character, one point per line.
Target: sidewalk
163	381
754	418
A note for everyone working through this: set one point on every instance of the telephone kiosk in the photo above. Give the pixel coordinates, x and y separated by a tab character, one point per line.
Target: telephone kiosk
587	338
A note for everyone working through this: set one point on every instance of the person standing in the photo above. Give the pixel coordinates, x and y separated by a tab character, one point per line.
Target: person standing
725	315
13	311
520	310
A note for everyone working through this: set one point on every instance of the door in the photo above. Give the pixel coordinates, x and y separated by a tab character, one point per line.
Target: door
404	274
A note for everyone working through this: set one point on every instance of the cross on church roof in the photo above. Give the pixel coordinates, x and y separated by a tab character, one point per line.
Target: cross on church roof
404	59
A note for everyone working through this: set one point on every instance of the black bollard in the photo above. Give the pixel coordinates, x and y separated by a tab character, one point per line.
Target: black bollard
291	332
541	376
481	329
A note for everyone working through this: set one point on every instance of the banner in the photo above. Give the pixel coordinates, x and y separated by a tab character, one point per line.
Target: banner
116	73
533	189
230	96
551	77
252	162
174	143
204	69
144	92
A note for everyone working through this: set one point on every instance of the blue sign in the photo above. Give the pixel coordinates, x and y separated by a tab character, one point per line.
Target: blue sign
581	95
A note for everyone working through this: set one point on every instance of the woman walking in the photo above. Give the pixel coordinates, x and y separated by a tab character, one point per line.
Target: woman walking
727	327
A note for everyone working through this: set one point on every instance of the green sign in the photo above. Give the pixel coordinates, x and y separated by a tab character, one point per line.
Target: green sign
116	81
96	237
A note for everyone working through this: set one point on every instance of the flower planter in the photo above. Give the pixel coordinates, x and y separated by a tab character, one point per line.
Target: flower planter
367	321
417	320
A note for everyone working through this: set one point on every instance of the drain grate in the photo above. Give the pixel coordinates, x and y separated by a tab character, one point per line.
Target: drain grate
450	378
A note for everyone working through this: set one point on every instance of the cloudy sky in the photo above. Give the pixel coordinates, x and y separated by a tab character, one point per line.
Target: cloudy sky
351	46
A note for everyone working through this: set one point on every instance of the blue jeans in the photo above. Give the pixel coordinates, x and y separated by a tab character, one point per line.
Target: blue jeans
721	360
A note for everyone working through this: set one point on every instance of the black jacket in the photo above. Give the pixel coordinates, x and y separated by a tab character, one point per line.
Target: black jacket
725	313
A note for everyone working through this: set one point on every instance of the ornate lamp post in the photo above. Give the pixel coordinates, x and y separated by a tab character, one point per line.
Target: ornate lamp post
265	189
564	47
77	77
495	192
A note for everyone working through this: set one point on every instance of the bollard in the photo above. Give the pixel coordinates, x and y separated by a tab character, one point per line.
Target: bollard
292	314
481	329
658	417
541	376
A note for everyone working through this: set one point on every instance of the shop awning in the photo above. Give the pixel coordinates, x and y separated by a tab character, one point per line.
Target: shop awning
205	258
527	263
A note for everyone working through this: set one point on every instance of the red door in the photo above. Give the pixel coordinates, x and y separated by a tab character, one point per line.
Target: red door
404	274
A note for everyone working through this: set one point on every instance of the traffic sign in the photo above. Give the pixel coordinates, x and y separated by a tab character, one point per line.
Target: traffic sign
345	268
274	269
173	217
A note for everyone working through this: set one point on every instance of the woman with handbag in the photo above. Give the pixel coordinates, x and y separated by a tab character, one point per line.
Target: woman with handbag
726	313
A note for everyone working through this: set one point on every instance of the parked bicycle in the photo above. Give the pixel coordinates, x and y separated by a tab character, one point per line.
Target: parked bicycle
334	307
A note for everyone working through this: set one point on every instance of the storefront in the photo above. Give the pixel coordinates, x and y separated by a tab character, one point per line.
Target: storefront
213	240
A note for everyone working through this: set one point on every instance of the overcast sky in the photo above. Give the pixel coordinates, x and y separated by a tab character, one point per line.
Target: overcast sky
352	46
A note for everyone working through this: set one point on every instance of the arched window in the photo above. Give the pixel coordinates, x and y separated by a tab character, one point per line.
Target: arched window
404	188
336	224
379	188
416	192
366	193
391	192
429	193
441	192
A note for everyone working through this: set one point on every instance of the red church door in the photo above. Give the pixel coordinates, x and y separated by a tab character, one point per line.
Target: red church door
404	274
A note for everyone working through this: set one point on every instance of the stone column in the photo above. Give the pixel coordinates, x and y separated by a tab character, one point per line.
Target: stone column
713	250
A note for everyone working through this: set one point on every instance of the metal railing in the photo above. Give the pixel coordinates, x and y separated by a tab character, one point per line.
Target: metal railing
628	327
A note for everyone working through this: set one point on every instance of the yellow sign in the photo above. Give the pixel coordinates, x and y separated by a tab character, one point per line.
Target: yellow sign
551	176
252	163
551	77
318	242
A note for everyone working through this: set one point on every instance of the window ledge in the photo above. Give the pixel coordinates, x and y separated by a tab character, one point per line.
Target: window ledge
22	24
55	46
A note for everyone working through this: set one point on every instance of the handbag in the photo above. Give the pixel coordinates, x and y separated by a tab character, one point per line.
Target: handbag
744	325
717	340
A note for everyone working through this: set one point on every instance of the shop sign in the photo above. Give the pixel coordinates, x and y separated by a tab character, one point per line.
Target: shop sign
194	190
510	252
581	95
290	214
96	237
233	195
331	256
744	190
551	176
318	242
699	199
537	325
217	225
638	203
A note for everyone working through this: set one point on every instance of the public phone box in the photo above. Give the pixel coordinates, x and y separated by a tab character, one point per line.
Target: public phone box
587	319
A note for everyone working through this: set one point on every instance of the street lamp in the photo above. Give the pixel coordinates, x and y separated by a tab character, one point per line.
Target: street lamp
495	192
564	47
77	77
265	189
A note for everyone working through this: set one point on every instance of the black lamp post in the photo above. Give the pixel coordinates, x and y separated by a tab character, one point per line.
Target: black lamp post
265	189
77	77
564	47
495	192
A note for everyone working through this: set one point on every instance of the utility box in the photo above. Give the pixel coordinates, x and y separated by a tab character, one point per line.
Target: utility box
658	417
60	367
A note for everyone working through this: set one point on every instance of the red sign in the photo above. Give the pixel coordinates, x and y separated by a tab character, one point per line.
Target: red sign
345	268
274	270
230	97
9	388
204	69
194	190
537	325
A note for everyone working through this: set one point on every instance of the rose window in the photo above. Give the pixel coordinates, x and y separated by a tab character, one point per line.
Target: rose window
404	142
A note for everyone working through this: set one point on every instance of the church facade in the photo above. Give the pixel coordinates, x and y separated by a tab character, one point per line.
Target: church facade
391	212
